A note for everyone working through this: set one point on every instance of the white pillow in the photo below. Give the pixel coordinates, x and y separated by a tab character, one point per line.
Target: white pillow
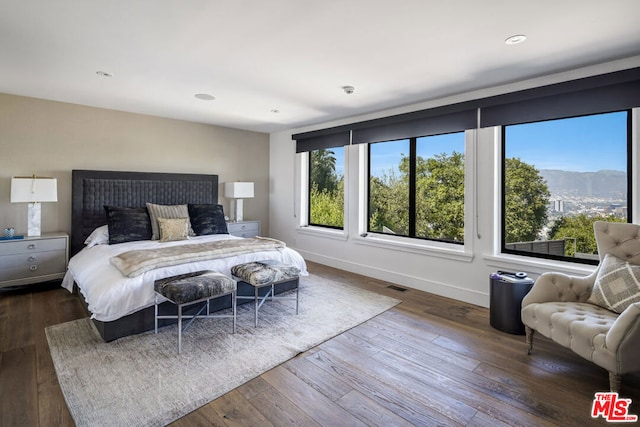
99	236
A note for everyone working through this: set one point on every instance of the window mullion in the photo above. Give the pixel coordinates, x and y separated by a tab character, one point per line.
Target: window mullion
412	187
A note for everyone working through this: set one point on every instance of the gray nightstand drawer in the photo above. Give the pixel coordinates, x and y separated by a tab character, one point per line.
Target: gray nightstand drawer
245	229
11	247
34	259
32	265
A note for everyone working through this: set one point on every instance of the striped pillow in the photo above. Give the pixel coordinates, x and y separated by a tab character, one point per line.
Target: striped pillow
166	211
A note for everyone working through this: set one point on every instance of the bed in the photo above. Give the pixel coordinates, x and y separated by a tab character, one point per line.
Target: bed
121	305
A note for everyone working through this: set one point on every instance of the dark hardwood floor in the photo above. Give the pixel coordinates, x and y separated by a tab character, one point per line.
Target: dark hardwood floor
428	361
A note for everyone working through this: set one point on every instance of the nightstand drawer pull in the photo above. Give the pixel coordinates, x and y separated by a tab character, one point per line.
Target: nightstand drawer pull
31	246
31	259
33	267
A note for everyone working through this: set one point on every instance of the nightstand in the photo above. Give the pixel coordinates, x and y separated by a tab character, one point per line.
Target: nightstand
244	228
33	259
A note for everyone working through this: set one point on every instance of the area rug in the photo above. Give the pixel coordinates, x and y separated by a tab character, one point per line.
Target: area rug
142	381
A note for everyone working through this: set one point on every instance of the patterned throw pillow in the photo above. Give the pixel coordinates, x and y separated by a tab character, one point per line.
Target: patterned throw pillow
207	219
166	211
127	224
617	284
173	229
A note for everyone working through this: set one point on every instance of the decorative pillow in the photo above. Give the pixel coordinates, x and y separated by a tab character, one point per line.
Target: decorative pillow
99	236
166	211
617	284
127	224
207	219
173	229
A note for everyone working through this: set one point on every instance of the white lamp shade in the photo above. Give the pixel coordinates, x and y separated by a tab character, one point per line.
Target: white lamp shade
34	189
238	190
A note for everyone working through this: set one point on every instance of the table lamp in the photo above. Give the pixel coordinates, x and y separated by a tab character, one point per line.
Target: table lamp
33	190
238	191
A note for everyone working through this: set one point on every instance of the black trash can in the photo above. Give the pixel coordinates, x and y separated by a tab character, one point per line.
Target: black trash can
505	303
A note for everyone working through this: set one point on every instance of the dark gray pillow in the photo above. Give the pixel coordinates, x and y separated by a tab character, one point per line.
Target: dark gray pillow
207	219
127	224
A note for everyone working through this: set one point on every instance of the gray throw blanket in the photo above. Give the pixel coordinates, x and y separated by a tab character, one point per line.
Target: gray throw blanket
136	262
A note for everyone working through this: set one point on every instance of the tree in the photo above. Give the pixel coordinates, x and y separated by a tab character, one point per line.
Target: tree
327	208
580	228
526	199
389	204
326	194
440	197
323	170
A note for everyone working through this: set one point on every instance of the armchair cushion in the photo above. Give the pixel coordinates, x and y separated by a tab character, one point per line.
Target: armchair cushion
617	285
582	327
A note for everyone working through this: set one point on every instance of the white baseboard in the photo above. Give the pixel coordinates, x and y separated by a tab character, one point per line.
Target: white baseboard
439	288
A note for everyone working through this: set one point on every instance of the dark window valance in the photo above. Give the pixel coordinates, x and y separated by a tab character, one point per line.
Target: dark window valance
603	93
421	126
591	95
311	141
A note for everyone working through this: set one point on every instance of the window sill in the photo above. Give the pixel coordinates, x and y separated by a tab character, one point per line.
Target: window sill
328	233
436	249
537	265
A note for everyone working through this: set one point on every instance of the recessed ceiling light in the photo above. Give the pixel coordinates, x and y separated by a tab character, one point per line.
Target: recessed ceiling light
205	96
517	39
104	74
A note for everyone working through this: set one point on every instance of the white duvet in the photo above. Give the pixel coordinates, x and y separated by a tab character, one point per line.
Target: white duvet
110	295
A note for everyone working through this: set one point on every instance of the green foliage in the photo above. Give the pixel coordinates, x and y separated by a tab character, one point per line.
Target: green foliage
323	170
580	228
440	197
327	208
526	200
326	197
389	204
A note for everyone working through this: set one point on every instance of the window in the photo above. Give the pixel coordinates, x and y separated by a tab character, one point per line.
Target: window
326	187
559	176
416	187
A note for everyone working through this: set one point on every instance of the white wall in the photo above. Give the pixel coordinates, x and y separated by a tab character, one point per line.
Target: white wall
463	274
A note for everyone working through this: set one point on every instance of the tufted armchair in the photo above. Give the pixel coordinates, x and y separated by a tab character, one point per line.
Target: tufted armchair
562	307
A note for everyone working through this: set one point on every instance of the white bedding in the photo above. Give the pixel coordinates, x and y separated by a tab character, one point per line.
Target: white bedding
110	295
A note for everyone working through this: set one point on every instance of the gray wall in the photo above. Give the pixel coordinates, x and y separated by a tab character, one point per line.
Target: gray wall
50	138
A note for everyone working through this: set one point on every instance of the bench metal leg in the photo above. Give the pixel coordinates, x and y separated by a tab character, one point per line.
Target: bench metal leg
234	305
179	329
199	313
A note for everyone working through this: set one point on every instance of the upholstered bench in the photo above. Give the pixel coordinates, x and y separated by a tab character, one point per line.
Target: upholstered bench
267	273
192	288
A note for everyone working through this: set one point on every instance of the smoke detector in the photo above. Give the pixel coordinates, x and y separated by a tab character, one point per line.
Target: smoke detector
348	89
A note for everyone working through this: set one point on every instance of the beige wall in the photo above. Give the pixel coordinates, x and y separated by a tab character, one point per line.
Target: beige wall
49	138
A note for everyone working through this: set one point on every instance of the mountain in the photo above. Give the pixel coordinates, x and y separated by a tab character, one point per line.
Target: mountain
605	184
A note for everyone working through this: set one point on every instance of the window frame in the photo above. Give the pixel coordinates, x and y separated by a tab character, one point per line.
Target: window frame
309	183
630	187
413	142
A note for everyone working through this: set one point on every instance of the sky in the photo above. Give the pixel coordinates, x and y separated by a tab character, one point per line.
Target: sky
582	144
385	156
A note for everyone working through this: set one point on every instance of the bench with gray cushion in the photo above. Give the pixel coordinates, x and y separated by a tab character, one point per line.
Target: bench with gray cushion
266	273
192	288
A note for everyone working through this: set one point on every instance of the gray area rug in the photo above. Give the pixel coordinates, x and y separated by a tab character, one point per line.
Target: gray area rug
142	381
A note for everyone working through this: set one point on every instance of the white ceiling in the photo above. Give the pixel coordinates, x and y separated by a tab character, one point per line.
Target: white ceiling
255	56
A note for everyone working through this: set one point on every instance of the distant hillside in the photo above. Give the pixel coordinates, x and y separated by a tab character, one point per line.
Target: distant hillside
606	184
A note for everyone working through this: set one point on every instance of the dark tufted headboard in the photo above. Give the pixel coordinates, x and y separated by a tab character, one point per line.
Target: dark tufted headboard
92	190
